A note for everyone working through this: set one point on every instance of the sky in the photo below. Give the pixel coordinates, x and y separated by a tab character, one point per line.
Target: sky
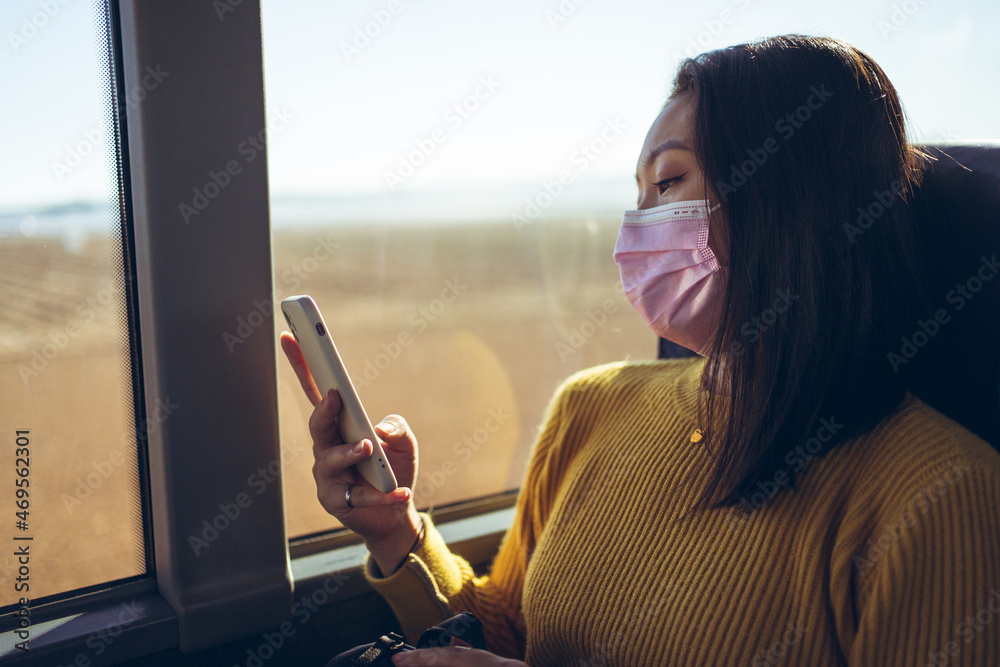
388	99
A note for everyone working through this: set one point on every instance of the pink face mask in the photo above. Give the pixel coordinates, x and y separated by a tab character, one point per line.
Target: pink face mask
670	274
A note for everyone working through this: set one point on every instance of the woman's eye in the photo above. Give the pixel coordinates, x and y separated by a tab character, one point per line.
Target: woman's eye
664	185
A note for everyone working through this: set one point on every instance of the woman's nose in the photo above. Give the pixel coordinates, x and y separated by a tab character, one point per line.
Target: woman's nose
647	199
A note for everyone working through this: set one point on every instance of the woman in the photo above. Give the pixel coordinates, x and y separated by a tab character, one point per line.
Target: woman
780	499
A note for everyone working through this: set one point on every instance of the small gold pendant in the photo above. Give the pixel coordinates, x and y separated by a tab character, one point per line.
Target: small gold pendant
696	436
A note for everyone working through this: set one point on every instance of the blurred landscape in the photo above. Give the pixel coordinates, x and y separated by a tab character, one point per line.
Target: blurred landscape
465	329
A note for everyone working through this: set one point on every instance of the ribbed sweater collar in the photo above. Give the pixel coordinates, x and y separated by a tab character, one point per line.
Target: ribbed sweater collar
688	390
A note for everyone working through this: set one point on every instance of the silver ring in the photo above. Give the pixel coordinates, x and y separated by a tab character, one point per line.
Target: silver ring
349	487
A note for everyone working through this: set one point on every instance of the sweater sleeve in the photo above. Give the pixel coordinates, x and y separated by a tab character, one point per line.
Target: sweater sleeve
932	595
433	583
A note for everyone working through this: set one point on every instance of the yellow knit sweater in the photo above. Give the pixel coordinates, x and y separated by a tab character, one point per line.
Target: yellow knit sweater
887	553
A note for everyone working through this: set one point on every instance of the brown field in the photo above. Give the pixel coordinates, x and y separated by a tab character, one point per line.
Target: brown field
514	325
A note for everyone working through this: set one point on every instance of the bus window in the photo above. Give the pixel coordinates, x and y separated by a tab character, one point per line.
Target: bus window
67	387
456	234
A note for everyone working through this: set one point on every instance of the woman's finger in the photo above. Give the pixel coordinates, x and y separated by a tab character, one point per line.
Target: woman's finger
340	457
395	432
364	495
291	349
323	424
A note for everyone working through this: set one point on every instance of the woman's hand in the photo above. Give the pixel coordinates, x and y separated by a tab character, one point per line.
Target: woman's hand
386	521
453	656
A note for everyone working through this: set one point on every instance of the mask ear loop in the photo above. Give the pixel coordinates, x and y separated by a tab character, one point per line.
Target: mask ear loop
706	251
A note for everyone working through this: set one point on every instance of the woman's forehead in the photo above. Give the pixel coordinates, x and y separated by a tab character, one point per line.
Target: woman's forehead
674	123
672	128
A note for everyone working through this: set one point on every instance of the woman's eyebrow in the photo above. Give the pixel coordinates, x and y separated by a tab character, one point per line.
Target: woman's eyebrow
668	145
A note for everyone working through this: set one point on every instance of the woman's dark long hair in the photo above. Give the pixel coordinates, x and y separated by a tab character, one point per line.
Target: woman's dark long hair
802	139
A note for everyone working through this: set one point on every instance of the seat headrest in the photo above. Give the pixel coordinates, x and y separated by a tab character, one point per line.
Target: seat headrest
957	211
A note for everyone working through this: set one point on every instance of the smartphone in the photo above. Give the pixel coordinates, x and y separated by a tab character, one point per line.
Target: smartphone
329	372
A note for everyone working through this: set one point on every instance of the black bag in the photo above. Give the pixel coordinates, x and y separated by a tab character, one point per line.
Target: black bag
465	626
